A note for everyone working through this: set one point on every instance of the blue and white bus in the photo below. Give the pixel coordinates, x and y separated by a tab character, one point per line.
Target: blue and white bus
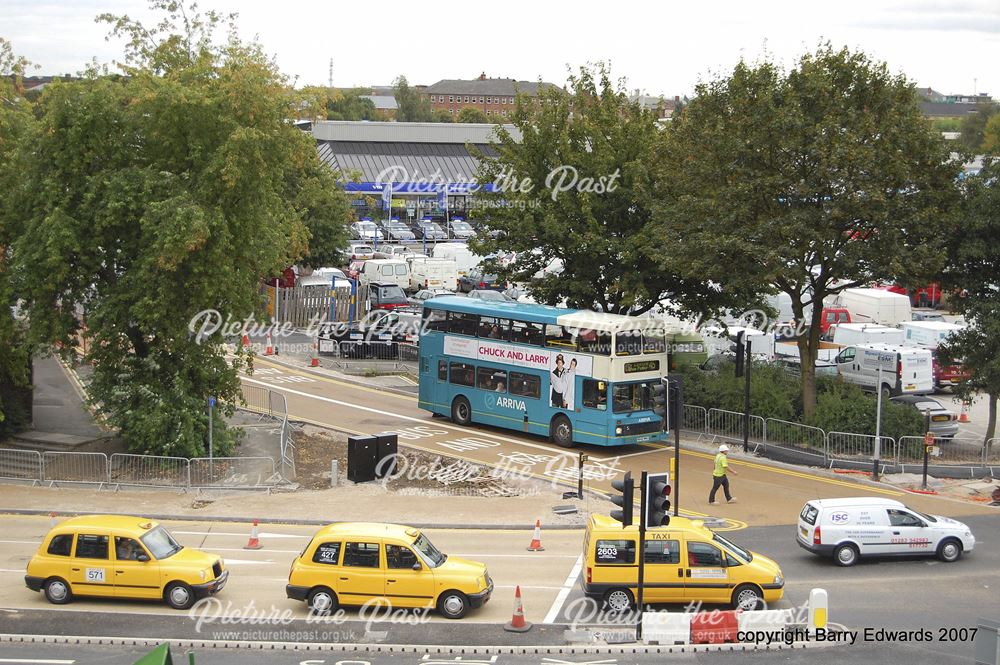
573	375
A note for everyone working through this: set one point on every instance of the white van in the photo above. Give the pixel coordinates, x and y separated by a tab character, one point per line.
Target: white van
913	373
846	334
431	273
395	271
847	529
458	252
875	306
928	334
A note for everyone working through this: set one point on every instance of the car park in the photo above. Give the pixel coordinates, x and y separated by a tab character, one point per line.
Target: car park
396	230
684	563
477	279
794	366
396	271
429	230
418	298
927	316
460	229
325	277
494	296
366	230
356	563
360	252
943	422
385	295
117	556
851	528
905	370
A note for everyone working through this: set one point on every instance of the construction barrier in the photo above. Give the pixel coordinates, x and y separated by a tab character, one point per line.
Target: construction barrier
717	627
666	627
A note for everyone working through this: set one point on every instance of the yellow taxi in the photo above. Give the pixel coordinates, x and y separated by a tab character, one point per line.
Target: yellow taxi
684	562
354	563
117	556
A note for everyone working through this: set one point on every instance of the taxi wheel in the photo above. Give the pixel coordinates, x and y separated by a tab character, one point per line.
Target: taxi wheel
619	600
461	412
562	431
453	604
949	551
179	596
747	597
57	591
323	601
846	555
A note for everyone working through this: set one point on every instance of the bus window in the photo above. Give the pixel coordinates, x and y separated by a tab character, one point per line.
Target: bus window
527	333
652	343
594	341
595	394
493	328
559	337
463	374
442	370
435	319
628	343
463	324
525	385
631	397
491	379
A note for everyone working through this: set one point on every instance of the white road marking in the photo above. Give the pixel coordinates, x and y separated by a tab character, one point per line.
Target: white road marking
567	586
37	661
12	570
423	421
244	534
241	549
248	562
518	556
22	542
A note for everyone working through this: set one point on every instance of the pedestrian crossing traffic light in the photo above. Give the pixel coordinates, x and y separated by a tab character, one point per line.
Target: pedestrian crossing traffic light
740	353
657	499
625	499
660	400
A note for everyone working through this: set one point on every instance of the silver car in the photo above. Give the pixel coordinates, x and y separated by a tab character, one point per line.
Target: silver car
944	423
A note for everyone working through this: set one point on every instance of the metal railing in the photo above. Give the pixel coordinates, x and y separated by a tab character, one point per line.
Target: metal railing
256	398
852	446
728	426
74	467
695	419
20	465
409	352
786	434
959	450
231	471
149	470
991	452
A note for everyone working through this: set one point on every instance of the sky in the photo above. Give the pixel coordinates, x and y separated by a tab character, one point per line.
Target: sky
660	48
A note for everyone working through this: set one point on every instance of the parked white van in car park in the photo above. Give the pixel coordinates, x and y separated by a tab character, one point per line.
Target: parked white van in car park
458	252
928	334
395	271
847	529
846	334
913	373
432	273
875	306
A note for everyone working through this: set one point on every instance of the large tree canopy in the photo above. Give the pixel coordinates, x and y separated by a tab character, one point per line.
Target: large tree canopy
144	200
805	182
575	186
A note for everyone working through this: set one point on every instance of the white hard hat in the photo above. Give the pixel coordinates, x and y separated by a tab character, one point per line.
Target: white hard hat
723	448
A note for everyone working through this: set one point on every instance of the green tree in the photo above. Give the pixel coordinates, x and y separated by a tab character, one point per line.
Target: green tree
991	136
974	271
573	187
805	183
974	126
351	105
472	115
442	115
147	199
411	105
15	122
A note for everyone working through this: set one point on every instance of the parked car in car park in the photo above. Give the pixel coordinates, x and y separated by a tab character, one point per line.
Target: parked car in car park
360	252
366	229
385	295
418	298
848	529
944	422
119	556
476	279
339	563
396	230
460	229
429	230
927	316
325	277
495	296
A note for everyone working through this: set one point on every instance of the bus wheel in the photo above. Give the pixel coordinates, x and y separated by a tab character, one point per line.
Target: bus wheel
562	431
461	412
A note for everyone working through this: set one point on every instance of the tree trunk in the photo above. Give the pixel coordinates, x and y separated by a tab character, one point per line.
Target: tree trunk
991	425
808	344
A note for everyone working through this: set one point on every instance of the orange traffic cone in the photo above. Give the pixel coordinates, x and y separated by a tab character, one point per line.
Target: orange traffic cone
314	362
52	520
963	417
517	623
269	349
254	542
536	539
246	341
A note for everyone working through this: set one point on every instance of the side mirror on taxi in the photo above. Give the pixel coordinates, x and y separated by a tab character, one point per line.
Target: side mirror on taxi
143	558
417	566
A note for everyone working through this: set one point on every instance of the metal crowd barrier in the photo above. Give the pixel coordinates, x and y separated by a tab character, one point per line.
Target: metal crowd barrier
852	447
20	465
695	419
728	426
796	436
74	467
231	471
960	450
149	470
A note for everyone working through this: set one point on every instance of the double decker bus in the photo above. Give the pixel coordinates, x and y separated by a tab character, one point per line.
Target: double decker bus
575	376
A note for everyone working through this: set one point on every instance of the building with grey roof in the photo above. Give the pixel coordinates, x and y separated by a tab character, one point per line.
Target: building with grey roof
492	96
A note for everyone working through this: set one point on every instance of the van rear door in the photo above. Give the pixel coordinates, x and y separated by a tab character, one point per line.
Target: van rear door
916	371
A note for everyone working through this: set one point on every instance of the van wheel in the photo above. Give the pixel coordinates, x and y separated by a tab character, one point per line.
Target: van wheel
949	550
461	412
887	391
453	604
747	597
179	596
619	600
322	601
846	555
57	591
561	431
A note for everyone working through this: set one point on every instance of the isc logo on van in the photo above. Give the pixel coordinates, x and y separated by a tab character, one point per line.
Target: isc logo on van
839	518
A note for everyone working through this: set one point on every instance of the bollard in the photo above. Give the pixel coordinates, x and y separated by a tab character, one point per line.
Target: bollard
333	473
818	605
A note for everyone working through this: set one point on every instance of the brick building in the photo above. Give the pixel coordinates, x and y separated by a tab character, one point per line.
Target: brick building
494	97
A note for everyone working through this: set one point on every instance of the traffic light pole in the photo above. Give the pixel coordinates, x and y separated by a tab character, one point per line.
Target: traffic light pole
746	397
642	556
679	387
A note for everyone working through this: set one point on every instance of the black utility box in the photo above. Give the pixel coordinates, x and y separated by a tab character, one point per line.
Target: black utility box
388	446
362	456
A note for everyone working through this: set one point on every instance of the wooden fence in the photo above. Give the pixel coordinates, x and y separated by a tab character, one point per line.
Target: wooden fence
304	305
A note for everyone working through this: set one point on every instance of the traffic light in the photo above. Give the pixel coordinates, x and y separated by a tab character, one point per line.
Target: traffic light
657	499
660	401
626	499
741	353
